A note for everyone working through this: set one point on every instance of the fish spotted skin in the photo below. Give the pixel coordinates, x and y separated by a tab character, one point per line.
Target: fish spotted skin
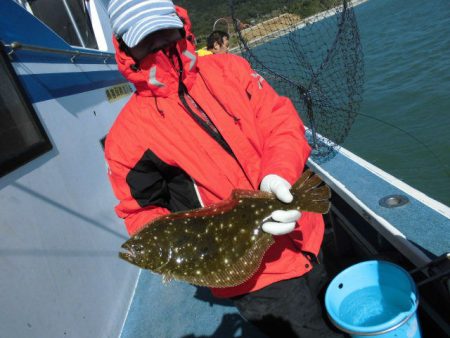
221	245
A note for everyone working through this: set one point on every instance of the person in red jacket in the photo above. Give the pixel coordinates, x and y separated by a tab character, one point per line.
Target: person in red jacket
194	130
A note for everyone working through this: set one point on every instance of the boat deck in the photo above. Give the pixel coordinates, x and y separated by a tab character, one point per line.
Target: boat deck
418	229
193	312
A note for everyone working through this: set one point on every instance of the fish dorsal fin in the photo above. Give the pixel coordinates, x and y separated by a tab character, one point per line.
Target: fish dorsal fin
241	193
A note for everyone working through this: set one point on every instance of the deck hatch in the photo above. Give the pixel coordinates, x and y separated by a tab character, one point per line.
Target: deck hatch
393	201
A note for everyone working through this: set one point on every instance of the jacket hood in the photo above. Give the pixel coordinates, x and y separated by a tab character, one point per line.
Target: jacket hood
157	74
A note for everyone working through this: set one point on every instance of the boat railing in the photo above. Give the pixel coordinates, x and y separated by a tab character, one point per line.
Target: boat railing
14	46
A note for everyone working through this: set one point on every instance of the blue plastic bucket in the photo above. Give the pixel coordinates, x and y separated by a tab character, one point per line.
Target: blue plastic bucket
374	298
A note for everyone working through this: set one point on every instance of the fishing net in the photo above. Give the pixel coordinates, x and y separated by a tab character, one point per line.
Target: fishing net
310	51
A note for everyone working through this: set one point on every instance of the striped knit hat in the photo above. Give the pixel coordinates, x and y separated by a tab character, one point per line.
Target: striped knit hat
133	20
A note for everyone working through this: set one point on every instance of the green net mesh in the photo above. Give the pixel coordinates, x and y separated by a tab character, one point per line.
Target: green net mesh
309	51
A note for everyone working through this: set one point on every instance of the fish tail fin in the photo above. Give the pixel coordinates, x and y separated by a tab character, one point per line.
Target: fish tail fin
301	181
311	194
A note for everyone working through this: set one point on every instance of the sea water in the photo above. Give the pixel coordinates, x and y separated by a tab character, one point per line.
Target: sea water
406	45
404	121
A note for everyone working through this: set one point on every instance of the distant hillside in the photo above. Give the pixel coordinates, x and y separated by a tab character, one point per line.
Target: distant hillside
204	13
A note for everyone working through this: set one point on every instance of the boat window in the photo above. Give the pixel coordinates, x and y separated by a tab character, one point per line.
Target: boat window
70	19
22	137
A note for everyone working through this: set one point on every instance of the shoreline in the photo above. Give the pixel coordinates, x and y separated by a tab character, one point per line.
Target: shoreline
302	23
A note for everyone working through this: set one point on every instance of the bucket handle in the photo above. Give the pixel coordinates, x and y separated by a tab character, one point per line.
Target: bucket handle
436	261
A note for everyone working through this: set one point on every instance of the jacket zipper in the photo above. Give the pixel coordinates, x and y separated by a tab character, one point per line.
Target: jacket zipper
207	126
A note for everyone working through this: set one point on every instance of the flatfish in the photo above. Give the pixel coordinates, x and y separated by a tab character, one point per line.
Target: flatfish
223	244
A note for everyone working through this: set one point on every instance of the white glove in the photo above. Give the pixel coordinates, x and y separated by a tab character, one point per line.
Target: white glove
280	222
277	185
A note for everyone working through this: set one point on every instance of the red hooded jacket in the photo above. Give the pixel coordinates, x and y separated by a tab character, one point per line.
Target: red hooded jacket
162	160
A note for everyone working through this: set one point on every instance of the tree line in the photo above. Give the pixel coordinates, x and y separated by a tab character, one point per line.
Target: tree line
204	13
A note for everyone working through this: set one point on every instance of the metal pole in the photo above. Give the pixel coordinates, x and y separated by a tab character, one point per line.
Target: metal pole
74	24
